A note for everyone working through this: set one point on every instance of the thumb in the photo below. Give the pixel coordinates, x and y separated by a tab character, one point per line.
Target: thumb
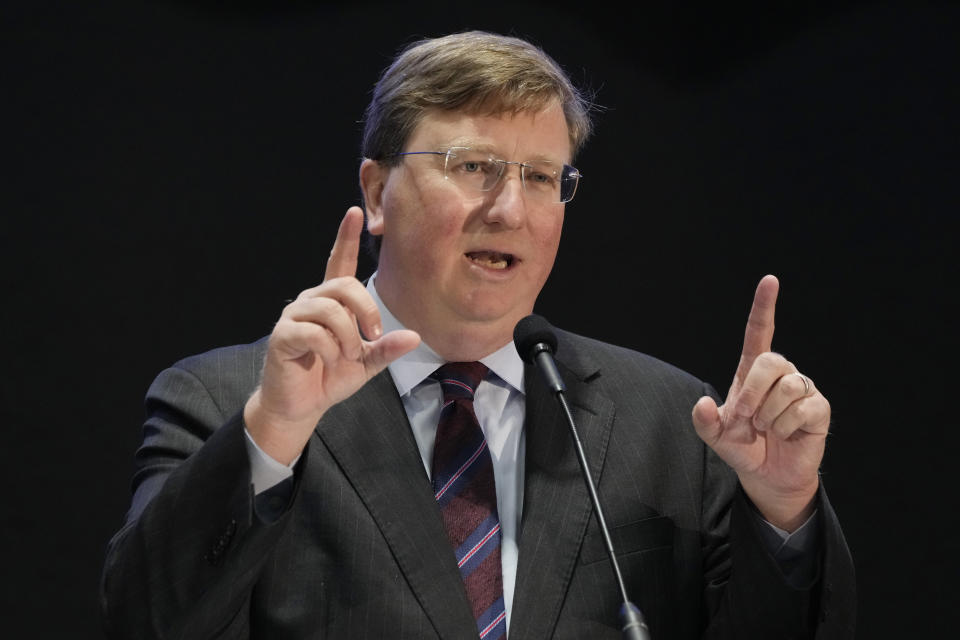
387	348
706	420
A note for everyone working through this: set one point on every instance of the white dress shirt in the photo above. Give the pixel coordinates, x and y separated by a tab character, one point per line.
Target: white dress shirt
499	403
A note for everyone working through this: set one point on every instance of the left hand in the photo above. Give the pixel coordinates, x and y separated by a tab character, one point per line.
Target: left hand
773	426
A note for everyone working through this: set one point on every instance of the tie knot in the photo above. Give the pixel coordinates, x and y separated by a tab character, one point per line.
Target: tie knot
460	379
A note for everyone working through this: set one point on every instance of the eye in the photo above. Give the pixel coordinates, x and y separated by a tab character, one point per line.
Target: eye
476	167
541	178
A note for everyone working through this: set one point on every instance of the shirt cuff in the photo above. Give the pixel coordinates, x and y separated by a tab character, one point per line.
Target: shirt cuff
802	540
796	553
265	472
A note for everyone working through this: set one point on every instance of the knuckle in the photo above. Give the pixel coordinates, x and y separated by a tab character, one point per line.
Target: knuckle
799	412
818	409
766	360
772	360
351	284
308	292
791	386
326	304
317	335
280	328
344	283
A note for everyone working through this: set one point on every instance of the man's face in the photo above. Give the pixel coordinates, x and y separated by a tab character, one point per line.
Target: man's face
453	263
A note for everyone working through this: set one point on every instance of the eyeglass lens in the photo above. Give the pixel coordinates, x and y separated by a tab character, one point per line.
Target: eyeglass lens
479	171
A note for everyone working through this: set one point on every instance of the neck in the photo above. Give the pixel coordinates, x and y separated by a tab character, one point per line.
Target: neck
453	338
465	344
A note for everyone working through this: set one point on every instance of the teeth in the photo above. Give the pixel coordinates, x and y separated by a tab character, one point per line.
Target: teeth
490	259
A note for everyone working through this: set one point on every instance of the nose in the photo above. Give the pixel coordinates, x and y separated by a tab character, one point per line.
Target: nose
508	204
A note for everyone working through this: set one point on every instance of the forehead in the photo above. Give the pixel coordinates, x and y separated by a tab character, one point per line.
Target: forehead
522	135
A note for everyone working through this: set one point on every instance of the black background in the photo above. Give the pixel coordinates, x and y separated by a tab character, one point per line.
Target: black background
174	171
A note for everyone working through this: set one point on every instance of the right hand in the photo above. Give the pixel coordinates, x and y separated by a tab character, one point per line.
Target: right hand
316	355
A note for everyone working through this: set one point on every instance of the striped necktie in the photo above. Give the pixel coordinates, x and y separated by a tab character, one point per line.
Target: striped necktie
463	484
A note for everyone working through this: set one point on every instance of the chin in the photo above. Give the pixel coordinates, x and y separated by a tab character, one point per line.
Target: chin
494	308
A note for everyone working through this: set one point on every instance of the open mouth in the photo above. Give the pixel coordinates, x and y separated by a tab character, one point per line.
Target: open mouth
491	259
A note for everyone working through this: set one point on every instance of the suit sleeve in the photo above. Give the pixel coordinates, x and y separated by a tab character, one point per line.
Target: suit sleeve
747	594
186	560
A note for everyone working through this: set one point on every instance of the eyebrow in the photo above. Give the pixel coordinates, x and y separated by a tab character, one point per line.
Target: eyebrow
491	149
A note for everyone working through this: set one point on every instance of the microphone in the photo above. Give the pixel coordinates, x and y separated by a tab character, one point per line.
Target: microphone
536	343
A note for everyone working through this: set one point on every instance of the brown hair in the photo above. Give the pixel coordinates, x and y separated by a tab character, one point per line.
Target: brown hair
475	72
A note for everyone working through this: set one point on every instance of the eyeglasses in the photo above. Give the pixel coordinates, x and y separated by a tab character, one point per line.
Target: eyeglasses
474	170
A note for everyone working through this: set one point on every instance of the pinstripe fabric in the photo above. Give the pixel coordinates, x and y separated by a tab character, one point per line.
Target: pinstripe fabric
464	487
360	552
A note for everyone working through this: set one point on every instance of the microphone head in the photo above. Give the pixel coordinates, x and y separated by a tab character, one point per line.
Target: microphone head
530	332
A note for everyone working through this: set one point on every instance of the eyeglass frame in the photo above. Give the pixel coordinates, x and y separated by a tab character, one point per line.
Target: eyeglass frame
573	171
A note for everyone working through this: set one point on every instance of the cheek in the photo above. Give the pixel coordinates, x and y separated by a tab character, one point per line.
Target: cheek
426	235
418	204
547	234
431	247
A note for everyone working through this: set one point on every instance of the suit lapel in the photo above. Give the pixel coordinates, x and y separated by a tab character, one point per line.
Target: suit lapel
556	504
370	437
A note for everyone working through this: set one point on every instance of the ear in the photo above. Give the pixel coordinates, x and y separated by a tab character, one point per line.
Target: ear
373	179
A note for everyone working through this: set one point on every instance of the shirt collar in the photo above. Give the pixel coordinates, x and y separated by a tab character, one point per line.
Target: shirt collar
412	368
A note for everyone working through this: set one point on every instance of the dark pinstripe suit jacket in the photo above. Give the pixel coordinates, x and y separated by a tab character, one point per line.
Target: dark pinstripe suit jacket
359	550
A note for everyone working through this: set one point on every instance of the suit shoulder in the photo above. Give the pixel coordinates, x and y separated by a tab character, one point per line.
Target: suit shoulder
228	375
229	357
590	356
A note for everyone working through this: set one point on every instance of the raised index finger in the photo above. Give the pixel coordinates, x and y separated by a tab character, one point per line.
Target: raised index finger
758	336
346	248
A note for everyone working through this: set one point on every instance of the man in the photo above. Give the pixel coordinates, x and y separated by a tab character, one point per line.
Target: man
298	487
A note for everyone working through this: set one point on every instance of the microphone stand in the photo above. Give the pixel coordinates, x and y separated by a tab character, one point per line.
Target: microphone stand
633	626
